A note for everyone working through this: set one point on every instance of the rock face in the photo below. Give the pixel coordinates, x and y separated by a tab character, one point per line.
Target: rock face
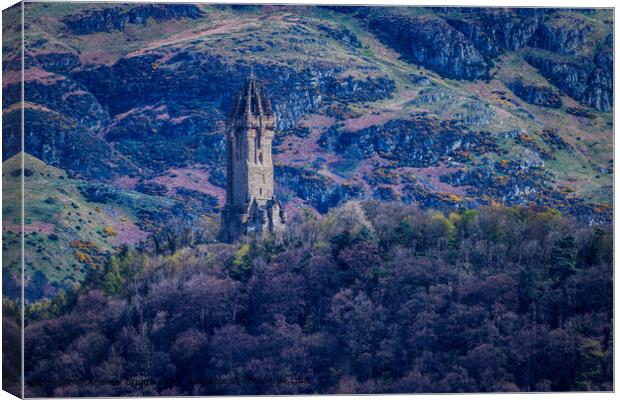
460	47
62	119
464	43
494	31
59	63
431	42
320	192
539	95
589	83
58	140
194	93
599	93
418	142
562	34
117	17
207	78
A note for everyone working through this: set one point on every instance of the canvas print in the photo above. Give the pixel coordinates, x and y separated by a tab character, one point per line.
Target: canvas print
219	199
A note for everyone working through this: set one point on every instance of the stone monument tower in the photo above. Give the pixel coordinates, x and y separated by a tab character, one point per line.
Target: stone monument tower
251	206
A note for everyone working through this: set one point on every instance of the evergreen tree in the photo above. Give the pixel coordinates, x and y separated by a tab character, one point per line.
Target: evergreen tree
563	261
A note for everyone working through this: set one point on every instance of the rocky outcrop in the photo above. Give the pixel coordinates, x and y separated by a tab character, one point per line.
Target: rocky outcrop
58	141
117	18
599	93
512	183
475	114
182	121
495	30
62	122
419	142
590	83
562	34
538	95
423	197
431	42
341	34
463	47
58	93
482	177
319	191
569	76
518	186
488	46
432	95
580	112
313	87
159	153
208	80
59	63
161	120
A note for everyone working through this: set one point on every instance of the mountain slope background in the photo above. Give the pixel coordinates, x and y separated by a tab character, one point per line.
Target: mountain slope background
71	225
445	108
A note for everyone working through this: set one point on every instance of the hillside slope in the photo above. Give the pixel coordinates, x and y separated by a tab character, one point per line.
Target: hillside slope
70	225
445	108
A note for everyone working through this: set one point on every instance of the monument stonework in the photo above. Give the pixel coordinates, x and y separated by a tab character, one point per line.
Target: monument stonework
251	205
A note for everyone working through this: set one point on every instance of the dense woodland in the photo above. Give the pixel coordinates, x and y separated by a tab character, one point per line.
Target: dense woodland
373	297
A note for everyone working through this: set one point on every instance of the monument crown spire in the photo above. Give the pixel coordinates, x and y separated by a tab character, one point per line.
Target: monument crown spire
252	99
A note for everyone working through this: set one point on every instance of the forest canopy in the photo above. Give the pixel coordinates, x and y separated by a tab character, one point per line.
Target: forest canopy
372	297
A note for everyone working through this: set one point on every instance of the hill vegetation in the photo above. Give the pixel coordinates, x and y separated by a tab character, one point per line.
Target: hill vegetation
139	93
448	173
373	297
129	104
72	226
